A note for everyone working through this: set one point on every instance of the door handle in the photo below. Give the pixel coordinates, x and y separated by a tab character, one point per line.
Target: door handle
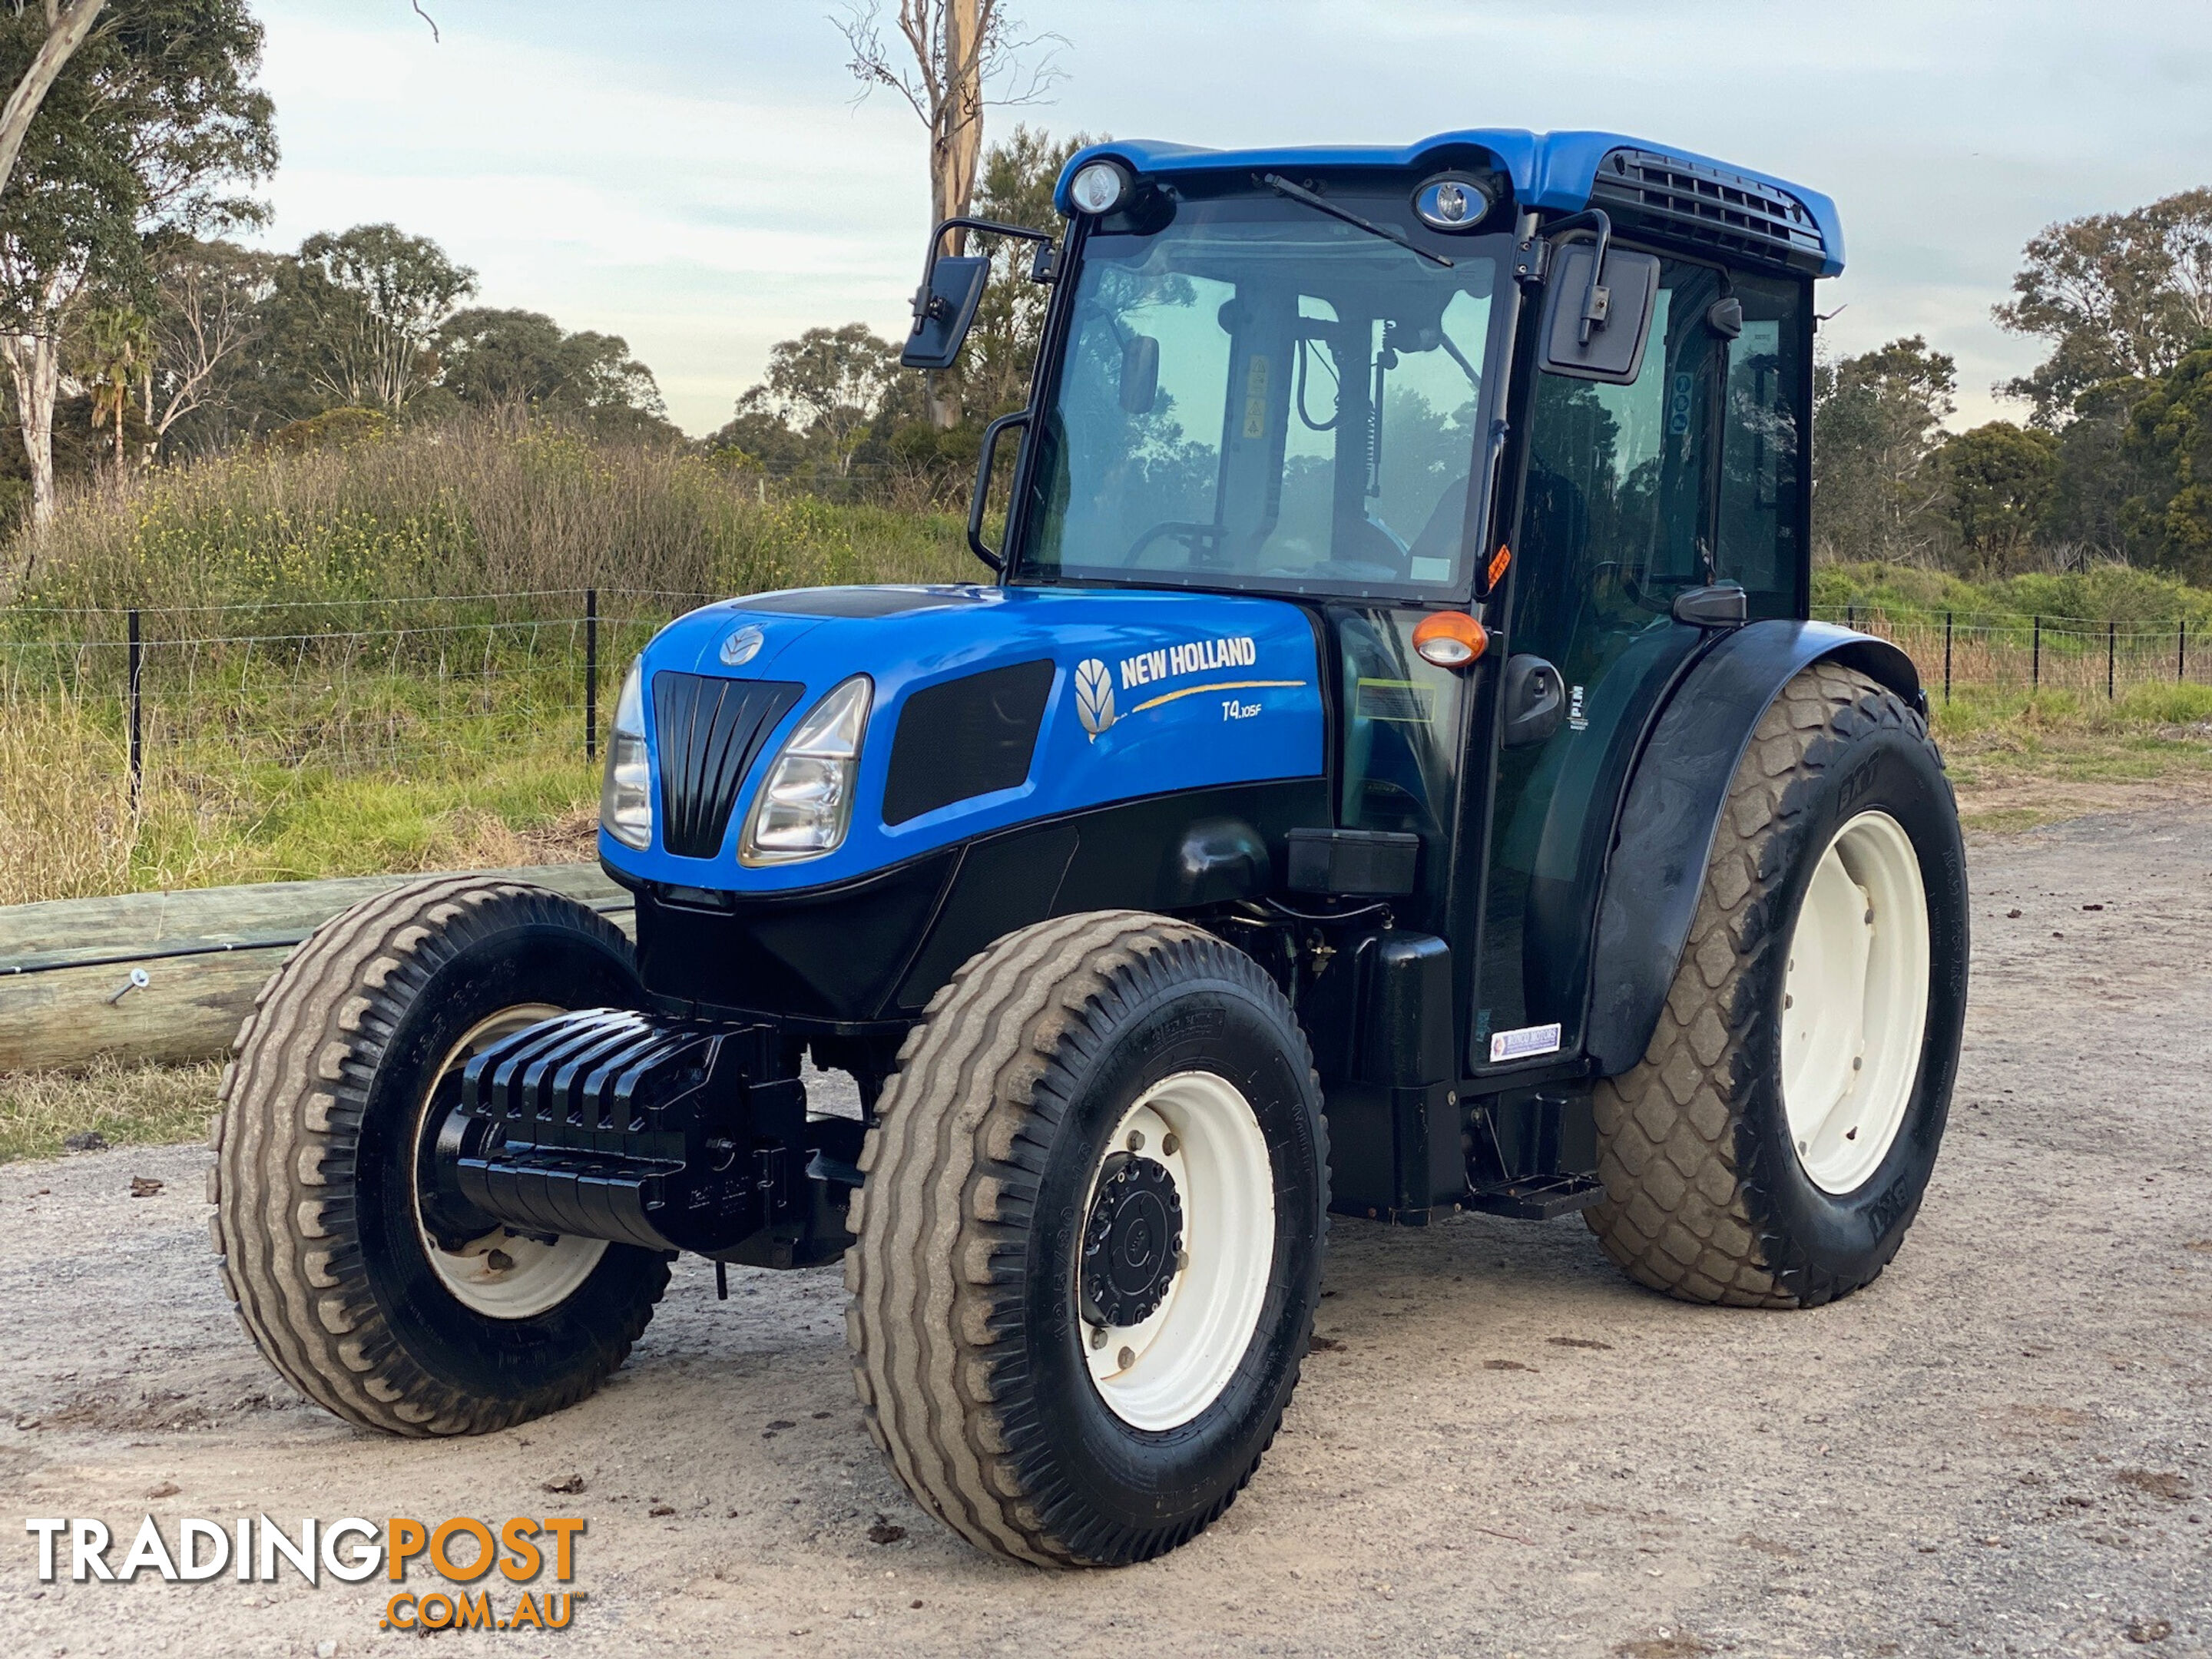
1535	699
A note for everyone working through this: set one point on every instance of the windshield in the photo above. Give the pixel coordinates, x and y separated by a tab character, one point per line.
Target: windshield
1259	395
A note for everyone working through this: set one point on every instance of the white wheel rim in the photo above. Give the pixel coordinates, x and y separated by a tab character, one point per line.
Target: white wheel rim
506	1275
1854	1003
1161	1373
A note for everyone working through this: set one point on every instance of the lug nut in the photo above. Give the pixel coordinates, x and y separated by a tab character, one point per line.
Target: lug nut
1136	1142
1170	1144
1097	1336
498	1260
1126	1358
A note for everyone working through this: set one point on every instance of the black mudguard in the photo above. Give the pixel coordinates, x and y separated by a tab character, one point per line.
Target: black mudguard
1664	836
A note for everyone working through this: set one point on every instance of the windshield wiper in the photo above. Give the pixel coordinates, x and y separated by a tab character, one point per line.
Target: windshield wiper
1282	186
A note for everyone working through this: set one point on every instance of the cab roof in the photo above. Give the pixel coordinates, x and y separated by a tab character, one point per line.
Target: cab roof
1672	193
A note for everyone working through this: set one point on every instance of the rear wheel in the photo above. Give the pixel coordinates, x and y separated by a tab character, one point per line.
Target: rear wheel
345	1273
1089	1248
1771	1147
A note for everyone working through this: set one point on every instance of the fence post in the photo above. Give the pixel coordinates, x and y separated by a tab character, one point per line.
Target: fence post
1947	656
591	673
134	664
2111	648
2035	662
2181	652
1851	616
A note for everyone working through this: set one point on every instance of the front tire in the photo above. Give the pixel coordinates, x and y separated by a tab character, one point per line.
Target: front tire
1771	1147
1089	1249
351	1056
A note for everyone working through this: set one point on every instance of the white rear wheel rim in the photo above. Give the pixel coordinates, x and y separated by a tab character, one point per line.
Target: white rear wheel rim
1161	1373
504	1275
1854	1003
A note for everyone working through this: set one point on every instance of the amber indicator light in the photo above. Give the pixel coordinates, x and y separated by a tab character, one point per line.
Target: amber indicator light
1449	639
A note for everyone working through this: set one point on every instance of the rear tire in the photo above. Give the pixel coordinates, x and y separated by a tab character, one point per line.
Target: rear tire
353	1046
1789	1013
1089	1249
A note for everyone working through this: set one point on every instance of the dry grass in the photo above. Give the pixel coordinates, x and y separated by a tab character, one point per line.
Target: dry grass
64	806
129	1105
488	507
321	696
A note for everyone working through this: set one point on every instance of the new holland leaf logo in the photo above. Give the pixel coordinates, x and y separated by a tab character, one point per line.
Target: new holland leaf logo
1094	696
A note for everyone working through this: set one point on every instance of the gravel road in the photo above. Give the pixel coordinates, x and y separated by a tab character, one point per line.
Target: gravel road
2001	1448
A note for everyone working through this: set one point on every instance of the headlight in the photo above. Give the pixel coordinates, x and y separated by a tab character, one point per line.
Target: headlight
626	793
1098	187
806	802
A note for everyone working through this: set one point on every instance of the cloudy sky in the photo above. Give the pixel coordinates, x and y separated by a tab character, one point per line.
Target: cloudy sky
694	174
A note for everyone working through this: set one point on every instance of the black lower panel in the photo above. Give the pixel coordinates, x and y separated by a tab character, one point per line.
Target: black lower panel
1002	885
835	954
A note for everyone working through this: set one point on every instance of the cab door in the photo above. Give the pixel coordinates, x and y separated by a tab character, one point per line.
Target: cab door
1615	519
1694	472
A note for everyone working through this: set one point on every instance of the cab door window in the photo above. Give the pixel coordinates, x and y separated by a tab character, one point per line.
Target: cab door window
1761	514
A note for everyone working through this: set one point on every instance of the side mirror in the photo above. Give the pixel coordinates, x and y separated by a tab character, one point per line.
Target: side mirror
1140	373
1596	322
944	309
1717	605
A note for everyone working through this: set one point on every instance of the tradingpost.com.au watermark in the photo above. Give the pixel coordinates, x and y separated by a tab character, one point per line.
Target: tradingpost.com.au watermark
461	1551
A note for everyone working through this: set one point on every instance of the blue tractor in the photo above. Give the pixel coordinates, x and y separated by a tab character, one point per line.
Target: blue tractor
1389	770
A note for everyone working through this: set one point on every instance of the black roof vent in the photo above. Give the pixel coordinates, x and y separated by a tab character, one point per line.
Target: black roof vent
1693	202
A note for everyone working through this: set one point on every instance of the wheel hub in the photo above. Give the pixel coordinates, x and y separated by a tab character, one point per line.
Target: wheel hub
1133	1244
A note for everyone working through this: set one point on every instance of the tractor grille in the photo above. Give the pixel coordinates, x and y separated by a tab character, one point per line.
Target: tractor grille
1689	201
709	730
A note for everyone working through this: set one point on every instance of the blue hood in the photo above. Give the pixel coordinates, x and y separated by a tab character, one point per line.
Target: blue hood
1151	692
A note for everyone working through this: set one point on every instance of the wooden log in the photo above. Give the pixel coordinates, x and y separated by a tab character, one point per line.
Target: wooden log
204	954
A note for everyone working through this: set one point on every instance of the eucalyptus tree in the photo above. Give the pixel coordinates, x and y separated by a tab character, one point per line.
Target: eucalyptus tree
150	128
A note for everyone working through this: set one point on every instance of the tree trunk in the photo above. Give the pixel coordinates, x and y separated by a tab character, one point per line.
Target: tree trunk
955	148
35	364
65	33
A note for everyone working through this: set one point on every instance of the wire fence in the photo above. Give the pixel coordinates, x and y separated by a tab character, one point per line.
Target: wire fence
203	699
199	698
2086	657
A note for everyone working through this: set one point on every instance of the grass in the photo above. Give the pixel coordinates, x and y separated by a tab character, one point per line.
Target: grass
2020	760
321	696
2103	593
209	818
129	1105
488	507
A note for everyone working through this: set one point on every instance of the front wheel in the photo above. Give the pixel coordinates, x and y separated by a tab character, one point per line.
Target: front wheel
344	1270
1771	1147
1089	1248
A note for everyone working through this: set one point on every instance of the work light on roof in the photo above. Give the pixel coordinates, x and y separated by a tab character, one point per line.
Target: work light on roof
1098	187
1452	201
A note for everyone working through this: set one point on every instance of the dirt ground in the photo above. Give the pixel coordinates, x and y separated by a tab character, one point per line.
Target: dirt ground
2001	1448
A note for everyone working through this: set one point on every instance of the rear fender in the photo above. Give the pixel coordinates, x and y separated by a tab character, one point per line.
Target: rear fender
1672	809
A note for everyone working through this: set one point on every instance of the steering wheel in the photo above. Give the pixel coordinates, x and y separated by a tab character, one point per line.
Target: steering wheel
1165	527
